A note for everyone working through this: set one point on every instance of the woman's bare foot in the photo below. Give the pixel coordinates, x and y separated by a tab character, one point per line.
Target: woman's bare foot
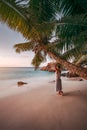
61	93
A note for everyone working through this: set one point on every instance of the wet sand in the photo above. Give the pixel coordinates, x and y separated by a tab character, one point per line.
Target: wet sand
43	109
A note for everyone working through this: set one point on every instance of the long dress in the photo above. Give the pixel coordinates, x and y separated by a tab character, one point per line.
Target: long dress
58	81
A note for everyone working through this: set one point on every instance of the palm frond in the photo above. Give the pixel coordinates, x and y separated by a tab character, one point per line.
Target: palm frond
73	53
36	21
15	5
43	11
82	60
72	7
76	20
13	14
24	46
38	59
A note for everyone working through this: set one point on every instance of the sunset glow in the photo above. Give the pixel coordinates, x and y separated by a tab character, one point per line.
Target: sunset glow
8	56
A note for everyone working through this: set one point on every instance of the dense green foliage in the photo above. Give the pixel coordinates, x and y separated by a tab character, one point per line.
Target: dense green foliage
60	25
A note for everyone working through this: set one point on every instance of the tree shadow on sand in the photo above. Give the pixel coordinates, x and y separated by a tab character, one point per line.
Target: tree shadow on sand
77	93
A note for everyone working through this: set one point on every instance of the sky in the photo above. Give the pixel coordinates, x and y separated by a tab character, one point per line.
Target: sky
8	56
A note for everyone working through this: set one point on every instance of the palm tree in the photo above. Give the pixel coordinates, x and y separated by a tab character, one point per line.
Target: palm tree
82	61
36	21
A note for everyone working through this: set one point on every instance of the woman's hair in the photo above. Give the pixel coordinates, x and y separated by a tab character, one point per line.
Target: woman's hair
58	66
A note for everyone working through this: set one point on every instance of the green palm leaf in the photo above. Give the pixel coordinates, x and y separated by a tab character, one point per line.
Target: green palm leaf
38	59
37	21
82	60
13	14
24	46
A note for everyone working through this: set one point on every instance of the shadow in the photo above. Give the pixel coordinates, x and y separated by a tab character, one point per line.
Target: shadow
72	93
82	94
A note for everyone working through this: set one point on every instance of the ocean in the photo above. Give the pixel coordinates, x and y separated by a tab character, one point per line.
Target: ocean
8	73
9	76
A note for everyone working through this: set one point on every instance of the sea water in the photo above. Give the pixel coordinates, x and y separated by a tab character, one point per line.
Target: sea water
9	76
7	73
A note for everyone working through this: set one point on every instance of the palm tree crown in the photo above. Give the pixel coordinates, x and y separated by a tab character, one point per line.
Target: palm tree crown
38	22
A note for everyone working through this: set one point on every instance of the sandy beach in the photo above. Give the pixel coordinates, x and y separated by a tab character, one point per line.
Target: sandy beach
42	109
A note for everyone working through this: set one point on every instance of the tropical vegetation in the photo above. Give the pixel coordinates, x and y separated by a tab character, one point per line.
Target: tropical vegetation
57	28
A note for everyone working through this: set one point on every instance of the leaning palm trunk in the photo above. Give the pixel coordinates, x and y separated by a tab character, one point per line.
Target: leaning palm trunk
73	68
82	72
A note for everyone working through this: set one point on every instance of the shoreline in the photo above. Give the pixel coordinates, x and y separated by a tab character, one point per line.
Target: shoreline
11	88
42	109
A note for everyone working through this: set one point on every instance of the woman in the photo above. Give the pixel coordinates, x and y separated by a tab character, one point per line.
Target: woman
58	80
